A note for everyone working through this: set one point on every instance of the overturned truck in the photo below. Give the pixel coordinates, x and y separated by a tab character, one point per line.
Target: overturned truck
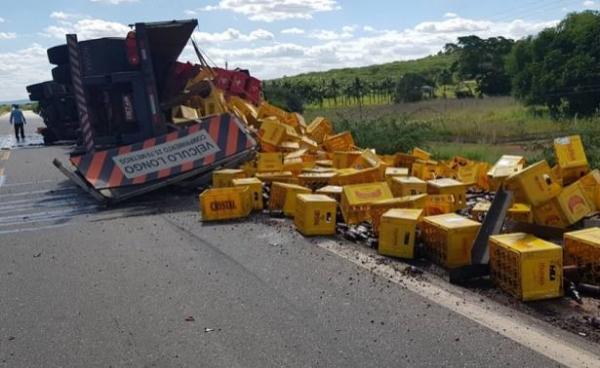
133	135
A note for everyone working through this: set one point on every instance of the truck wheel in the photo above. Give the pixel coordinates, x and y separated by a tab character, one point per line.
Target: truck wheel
58	55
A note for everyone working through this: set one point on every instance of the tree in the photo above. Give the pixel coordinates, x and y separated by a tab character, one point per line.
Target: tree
409	88
443	78
484	61
559	67
334	91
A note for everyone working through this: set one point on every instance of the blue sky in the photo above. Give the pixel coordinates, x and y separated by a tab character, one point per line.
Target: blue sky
271	37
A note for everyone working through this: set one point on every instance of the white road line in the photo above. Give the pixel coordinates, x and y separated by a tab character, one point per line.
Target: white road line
513	327
2	180
37	228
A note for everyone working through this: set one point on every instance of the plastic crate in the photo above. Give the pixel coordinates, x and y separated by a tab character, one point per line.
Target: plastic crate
582	248
315	214
295	165
279	194
255	187
369	159
272	131
571	175
269	162
319	128
404	160
591	186
439	204
353	176
468	174
357	199
421	154
534	184
267	110
405	186
345	159
570	152
380	207
225	203
521	212
333	191
308	143
451	187
315	181
526	267
398	231
339	142
505	167
425	170
449	239
279	176
223	178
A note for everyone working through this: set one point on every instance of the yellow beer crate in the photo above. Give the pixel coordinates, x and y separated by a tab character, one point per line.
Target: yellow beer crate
315	214
357	199
404	160
550	214
425	170
289	207
405	186
468	174
521	212
333	191
280	176
397	232
395	172
255	187
452	187
421	154
319	128
449	239
295	165
569	207
439	204
266	110
378	208
569	176
316	180
480	210
345	159
223	178
505	167
272	131
526	267
582	248
353	176
279	194
570	152
368	159
534	184
591	186
324	163
225	203
339	142
288	146
269	162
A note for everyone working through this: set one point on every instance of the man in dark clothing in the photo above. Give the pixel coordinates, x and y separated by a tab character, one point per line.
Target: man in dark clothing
17	118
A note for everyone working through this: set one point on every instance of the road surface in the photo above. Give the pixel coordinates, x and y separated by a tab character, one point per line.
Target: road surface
148	285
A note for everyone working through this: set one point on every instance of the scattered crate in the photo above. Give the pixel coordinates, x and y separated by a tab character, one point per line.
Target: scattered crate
449	239
223	178
357	199
534	184
339	142
526	267
315	214
353	176
316	181
505	167
582	249
450	187
332	191
398	232
255	187
225	203
279	194
269	162
439	204
406	186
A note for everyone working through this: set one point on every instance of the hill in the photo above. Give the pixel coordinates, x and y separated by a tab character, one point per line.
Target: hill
427	66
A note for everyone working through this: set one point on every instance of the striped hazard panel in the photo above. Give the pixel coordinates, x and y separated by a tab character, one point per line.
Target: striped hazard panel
211	140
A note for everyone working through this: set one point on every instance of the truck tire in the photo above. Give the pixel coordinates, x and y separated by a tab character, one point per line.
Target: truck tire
62	74
58	55
36	91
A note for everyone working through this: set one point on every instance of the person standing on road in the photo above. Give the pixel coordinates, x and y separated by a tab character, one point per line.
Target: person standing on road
17	118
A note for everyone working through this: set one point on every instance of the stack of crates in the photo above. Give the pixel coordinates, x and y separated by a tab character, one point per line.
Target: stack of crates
225	203
450	187
224	178
582	248
572	161
398	231
526	267
357	199
315	214
406	186
255	187
449	239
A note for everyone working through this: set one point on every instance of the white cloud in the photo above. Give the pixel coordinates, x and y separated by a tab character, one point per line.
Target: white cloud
21	68
190	12
60	15
272	10
2	20
231	35
328	35
114	2
589	4
87	29
450	15
294	30
7	35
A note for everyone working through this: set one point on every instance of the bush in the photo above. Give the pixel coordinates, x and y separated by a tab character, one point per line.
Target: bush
387	136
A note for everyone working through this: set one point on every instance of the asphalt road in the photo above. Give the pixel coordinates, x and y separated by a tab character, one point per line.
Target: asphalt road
146	284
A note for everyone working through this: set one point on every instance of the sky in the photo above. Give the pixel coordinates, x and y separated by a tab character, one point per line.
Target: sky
272	38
